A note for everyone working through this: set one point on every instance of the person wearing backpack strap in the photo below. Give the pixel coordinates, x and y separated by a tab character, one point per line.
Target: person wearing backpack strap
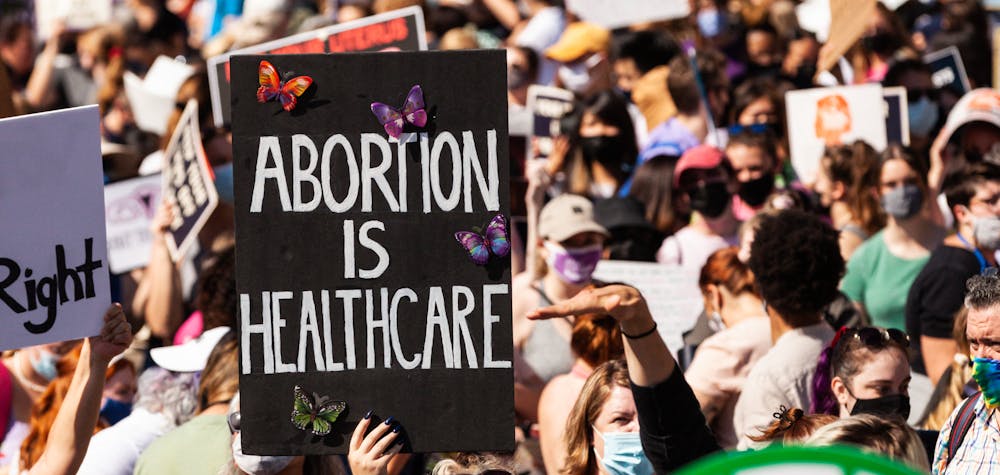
970	440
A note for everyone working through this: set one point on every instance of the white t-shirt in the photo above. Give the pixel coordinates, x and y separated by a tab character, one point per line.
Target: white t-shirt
690	249
115	450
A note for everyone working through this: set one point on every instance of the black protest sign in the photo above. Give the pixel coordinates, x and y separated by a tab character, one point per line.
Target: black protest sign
352	284
897	120
948	71
547	106
398	30
187	183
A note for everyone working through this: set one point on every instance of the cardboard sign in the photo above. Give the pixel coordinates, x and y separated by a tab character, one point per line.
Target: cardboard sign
671	292
154	97
351	282
76	15
187	183
54	283
618	13
547	106
129	208
947	70
897	119
827	116
398	30
848	20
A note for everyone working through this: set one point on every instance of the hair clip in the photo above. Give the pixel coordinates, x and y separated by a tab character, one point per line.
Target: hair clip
836	337
782	414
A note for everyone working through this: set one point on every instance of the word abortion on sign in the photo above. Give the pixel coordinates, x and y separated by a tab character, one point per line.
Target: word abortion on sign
54	283
187	183
398	30
336	220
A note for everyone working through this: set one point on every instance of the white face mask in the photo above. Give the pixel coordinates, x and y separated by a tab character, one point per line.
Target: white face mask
986	230
258	464
576	76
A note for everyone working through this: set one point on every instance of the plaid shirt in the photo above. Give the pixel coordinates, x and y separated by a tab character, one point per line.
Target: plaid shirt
980	451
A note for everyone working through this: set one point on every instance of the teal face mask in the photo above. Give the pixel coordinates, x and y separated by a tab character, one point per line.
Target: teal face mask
623	454
986	372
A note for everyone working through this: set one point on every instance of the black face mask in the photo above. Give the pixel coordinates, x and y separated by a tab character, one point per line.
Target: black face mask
881	43
756	191
710	199
895	405
602	148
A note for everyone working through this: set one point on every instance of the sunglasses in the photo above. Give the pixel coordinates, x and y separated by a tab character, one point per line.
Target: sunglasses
875	337
233	421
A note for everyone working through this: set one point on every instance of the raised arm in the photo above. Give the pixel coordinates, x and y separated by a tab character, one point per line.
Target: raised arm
672	427
74	423
158	299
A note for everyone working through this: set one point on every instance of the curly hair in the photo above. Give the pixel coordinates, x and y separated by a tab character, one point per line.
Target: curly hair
796	259
983	292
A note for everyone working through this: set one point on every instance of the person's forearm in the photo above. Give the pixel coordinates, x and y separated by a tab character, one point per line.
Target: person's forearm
74	424
649	360
161	289
38	89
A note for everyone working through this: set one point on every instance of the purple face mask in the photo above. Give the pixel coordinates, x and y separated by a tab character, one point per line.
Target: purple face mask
573	265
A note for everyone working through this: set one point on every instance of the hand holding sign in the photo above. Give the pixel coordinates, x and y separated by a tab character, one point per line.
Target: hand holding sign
370	454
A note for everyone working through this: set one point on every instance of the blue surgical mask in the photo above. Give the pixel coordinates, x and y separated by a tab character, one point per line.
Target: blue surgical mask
709	23
113	410
44	364
923	115
623	454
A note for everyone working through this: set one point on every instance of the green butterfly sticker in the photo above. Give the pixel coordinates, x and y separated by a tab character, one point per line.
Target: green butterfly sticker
314	412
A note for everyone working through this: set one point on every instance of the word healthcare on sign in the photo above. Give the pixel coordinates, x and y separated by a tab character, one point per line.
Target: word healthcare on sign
828	116
398	30
352	283
129	207
188	183
547	106
54	282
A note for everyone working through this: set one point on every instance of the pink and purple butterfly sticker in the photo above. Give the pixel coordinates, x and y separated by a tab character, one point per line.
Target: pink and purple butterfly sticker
493	242
412	112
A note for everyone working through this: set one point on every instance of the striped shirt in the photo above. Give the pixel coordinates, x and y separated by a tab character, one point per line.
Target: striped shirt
980	451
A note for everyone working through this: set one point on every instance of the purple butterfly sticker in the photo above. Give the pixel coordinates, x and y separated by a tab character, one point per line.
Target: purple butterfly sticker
494	242
394	119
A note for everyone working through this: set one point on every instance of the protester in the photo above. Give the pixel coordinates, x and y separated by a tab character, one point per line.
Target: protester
792	426
796	261
743	335
882	269
887	436
847	175
652	185
596	340
704	181
973	195
970	447
583	55
755	164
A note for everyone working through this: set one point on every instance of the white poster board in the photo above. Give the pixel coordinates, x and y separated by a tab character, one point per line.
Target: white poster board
76	15
129	208
613	14
671	292
153	97
54	283
832	116
188	183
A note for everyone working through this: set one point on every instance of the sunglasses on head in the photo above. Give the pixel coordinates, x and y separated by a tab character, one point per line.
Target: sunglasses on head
879	337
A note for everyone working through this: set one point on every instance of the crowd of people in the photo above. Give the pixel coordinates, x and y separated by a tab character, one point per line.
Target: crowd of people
825	298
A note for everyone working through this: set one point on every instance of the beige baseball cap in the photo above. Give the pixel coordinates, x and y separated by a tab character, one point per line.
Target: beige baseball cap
566	216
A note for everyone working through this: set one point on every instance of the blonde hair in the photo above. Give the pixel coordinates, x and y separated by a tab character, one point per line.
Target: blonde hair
220	380
474	463
579	436
890	437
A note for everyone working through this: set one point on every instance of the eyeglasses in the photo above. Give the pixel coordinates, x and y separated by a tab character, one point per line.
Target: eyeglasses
879	337
233	421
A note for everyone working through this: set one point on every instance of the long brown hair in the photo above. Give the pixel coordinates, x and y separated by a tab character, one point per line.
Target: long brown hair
45	409
857	167
579	435
220	380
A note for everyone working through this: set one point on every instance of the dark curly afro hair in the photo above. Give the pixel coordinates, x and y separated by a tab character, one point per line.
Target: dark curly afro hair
796	259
